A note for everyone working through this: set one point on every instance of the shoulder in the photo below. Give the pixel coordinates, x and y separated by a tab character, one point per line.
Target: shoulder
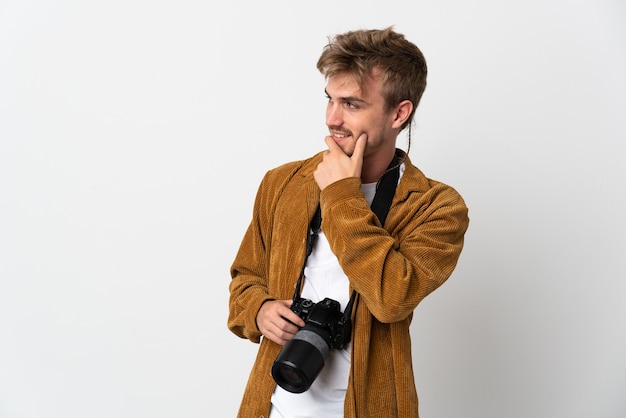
293	175
414	183
304	166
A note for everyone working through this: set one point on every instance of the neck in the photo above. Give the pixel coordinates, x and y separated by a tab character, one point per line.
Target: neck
375	166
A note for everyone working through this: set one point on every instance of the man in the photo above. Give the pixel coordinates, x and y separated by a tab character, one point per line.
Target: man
390	253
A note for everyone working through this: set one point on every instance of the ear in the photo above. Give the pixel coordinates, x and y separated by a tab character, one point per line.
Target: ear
401	113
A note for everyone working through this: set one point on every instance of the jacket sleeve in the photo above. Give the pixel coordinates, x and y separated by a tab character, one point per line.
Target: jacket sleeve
393	271
249	284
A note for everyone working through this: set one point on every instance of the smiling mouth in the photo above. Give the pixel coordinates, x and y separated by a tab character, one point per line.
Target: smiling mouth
340	135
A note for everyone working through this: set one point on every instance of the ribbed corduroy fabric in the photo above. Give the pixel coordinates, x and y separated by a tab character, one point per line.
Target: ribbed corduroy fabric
392	269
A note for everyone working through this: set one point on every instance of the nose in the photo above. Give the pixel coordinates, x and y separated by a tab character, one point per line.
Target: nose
334	115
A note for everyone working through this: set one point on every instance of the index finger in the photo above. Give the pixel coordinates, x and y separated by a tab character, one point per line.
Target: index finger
293	318
289	314
359	147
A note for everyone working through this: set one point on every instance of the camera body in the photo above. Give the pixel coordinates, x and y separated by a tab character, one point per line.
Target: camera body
302	358
327	315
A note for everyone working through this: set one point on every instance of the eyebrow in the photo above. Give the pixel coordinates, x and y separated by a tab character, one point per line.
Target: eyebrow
348	98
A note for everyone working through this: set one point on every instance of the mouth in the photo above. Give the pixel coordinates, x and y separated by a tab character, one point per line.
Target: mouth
340	136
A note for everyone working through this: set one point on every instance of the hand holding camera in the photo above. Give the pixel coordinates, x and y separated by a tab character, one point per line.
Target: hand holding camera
302	358
277	322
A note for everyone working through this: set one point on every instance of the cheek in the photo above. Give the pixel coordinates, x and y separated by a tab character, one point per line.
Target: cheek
376	136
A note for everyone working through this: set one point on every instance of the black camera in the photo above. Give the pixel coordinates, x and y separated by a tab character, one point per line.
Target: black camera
301	358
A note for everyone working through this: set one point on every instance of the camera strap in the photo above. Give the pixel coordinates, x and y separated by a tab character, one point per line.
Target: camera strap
385	190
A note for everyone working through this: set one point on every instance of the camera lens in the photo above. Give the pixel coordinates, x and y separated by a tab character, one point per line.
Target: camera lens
286	373
301	359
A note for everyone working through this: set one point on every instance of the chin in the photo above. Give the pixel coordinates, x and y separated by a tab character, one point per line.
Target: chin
347	148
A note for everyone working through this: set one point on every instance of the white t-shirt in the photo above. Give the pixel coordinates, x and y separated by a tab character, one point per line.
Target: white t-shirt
323	278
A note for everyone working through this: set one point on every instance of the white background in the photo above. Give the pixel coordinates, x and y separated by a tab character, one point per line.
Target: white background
133	136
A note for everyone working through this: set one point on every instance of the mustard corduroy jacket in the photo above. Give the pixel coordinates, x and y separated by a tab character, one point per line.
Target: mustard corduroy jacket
391	268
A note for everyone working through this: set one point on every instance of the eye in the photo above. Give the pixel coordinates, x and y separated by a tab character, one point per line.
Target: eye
352	105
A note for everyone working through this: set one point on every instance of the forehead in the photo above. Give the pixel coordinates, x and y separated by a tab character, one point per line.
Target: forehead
346	84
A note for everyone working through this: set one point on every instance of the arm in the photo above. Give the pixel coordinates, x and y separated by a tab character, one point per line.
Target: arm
253	310
394	271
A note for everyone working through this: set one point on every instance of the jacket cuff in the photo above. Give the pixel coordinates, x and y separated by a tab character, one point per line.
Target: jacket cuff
348	188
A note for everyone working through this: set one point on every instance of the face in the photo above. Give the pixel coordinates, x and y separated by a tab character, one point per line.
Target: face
352	111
